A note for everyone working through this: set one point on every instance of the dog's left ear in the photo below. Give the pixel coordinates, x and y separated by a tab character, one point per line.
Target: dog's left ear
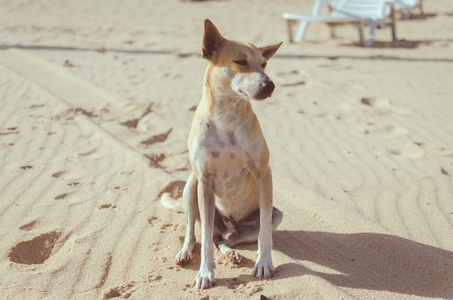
212	40
269	51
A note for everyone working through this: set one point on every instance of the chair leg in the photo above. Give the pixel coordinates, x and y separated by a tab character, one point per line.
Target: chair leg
362	39
373	24
332	32
407	14
290	31
393	25
300	34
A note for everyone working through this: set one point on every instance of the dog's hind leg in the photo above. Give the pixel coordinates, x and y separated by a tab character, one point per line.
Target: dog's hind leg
249	229
247	232
191	204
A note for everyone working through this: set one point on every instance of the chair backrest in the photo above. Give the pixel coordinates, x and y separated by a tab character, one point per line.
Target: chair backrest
369	9
404	4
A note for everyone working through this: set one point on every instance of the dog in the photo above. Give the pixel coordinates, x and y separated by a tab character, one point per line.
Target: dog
229	191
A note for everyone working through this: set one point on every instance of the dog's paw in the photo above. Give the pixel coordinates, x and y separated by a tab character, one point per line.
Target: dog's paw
263	269
205	278
234	256
183	256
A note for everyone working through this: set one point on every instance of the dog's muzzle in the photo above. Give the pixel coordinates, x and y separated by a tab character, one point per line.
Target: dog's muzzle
266	89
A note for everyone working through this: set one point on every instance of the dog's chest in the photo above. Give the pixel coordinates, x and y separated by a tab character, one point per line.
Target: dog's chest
231	179
222	154
225	155
232	182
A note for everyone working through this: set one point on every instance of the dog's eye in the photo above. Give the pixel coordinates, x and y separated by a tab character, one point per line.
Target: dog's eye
263	65
241	62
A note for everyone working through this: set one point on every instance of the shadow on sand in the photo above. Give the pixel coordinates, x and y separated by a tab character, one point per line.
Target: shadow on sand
370	261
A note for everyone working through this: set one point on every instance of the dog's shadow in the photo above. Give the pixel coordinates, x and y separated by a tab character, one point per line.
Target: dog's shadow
368	261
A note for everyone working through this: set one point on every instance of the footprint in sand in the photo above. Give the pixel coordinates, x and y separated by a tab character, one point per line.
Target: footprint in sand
384	130
444	172
381	105
70	114
62	196
374	102
34	106
132	124
155	221
293	83
108	206
408	151
123	291
236	284
168	227
58	174
4	145
174	188
127	173
291	78
10	130
35	251
120	189
323	116
150	278
169	162
418	149
155	160
81	111
87	153
29	226
159	138
246	288
126	290
444	150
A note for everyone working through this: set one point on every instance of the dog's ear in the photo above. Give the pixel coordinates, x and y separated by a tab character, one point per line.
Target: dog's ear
212	40
268	51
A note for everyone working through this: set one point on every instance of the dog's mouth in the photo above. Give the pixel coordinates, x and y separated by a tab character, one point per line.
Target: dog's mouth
262	97
258	97
264	92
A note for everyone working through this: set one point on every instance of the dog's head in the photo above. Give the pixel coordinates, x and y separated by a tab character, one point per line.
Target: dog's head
240	65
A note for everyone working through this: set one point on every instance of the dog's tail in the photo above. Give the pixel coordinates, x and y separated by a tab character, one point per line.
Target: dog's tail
167	201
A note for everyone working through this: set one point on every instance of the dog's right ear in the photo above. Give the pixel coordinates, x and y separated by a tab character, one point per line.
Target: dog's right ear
212	40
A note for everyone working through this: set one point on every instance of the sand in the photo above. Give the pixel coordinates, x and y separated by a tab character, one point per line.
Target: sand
96	101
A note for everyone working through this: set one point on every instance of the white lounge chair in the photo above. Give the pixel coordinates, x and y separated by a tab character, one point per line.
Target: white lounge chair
407	5
354	12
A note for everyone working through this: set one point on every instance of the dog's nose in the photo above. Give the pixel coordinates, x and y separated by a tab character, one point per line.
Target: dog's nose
267	87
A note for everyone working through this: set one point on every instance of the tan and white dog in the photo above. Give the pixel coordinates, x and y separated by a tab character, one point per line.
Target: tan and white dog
230	189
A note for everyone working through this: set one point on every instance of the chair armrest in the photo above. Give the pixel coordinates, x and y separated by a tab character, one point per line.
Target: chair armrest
315	11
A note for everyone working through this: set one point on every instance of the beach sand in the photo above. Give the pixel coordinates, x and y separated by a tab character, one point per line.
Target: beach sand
96	102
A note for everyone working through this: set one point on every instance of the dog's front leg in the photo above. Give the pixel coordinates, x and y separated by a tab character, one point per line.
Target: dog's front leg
190	196
206	198
264	267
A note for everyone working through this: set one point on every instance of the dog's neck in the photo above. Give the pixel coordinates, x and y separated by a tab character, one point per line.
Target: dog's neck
223	106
